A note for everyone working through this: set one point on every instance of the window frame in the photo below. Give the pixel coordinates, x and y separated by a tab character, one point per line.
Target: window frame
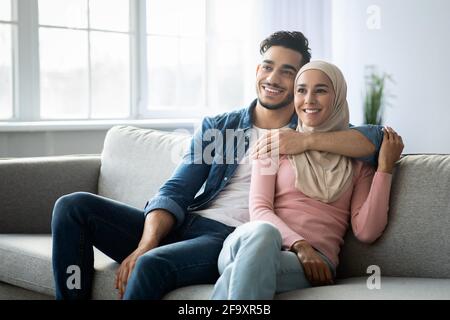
13	23
26	68
171	112
89	30
26	64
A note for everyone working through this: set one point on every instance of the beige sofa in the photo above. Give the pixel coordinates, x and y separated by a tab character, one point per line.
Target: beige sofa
413	254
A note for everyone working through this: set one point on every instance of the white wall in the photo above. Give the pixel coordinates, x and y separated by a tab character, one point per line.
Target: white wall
413	44
49	143
312	17
64	140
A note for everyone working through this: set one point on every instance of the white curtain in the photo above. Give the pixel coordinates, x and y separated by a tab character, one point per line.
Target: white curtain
312	17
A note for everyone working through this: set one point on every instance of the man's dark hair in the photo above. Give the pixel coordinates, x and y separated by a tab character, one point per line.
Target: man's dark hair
294	40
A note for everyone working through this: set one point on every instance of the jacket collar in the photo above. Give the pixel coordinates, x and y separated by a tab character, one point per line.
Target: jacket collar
247	118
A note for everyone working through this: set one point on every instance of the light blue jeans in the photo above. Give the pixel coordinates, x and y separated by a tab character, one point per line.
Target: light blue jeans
253	266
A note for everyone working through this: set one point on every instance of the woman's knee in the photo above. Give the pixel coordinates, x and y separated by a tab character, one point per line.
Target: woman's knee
247	239
252	233
262	231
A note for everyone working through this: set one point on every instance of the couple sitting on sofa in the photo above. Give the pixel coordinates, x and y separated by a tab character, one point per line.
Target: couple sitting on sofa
195	229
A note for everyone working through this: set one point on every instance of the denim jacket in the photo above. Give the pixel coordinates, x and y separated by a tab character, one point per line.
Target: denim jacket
180	194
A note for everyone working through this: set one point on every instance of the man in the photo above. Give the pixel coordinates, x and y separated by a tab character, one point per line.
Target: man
176	240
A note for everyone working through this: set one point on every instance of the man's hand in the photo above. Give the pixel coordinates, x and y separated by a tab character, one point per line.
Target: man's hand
126	268
280	141
316	270
157	225
390	150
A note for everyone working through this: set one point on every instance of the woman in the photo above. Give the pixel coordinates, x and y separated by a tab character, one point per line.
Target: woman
305	206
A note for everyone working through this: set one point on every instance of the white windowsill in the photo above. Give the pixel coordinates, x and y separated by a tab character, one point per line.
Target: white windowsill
80	125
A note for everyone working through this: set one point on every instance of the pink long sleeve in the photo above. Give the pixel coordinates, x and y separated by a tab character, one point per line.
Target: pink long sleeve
370	204
261	202
274	198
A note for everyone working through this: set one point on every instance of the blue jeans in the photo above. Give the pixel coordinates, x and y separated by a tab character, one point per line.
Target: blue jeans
253	267
187	256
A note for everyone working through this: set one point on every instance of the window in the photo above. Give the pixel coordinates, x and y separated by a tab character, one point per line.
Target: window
176	53
7	26
124	59
84	49
196	55
231	54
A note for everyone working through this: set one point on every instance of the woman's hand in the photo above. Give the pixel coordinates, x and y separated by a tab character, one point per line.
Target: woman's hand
390	151
125	270
317	271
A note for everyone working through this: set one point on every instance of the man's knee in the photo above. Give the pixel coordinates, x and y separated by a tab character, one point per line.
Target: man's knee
152	264
65	205
151	278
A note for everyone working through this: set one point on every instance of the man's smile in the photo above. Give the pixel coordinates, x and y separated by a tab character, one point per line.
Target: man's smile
272	91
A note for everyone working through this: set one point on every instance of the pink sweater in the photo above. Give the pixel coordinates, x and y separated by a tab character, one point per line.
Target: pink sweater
274	198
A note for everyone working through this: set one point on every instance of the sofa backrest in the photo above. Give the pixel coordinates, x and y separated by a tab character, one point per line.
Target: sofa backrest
136	162
416	242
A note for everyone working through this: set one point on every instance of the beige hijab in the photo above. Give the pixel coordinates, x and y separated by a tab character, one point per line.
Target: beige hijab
321	175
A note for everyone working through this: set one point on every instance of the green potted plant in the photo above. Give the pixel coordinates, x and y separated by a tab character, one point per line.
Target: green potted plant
376	95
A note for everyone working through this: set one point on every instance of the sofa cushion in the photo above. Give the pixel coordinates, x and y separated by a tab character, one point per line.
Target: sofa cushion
11	292
136	162
415	242
392	288
197	292
348	289
25	261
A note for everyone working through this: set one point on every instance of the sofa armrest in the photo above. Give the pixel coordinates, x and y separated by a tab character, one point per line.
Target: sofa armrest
29	188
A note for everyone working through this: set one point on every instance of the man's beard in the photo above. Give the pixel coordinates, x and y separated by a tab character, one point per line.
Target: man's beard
280	105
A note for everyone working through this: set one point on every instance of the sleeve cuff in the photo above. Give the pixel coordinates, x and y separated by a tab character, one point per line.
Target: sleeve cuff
290	240
161	202
383	176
